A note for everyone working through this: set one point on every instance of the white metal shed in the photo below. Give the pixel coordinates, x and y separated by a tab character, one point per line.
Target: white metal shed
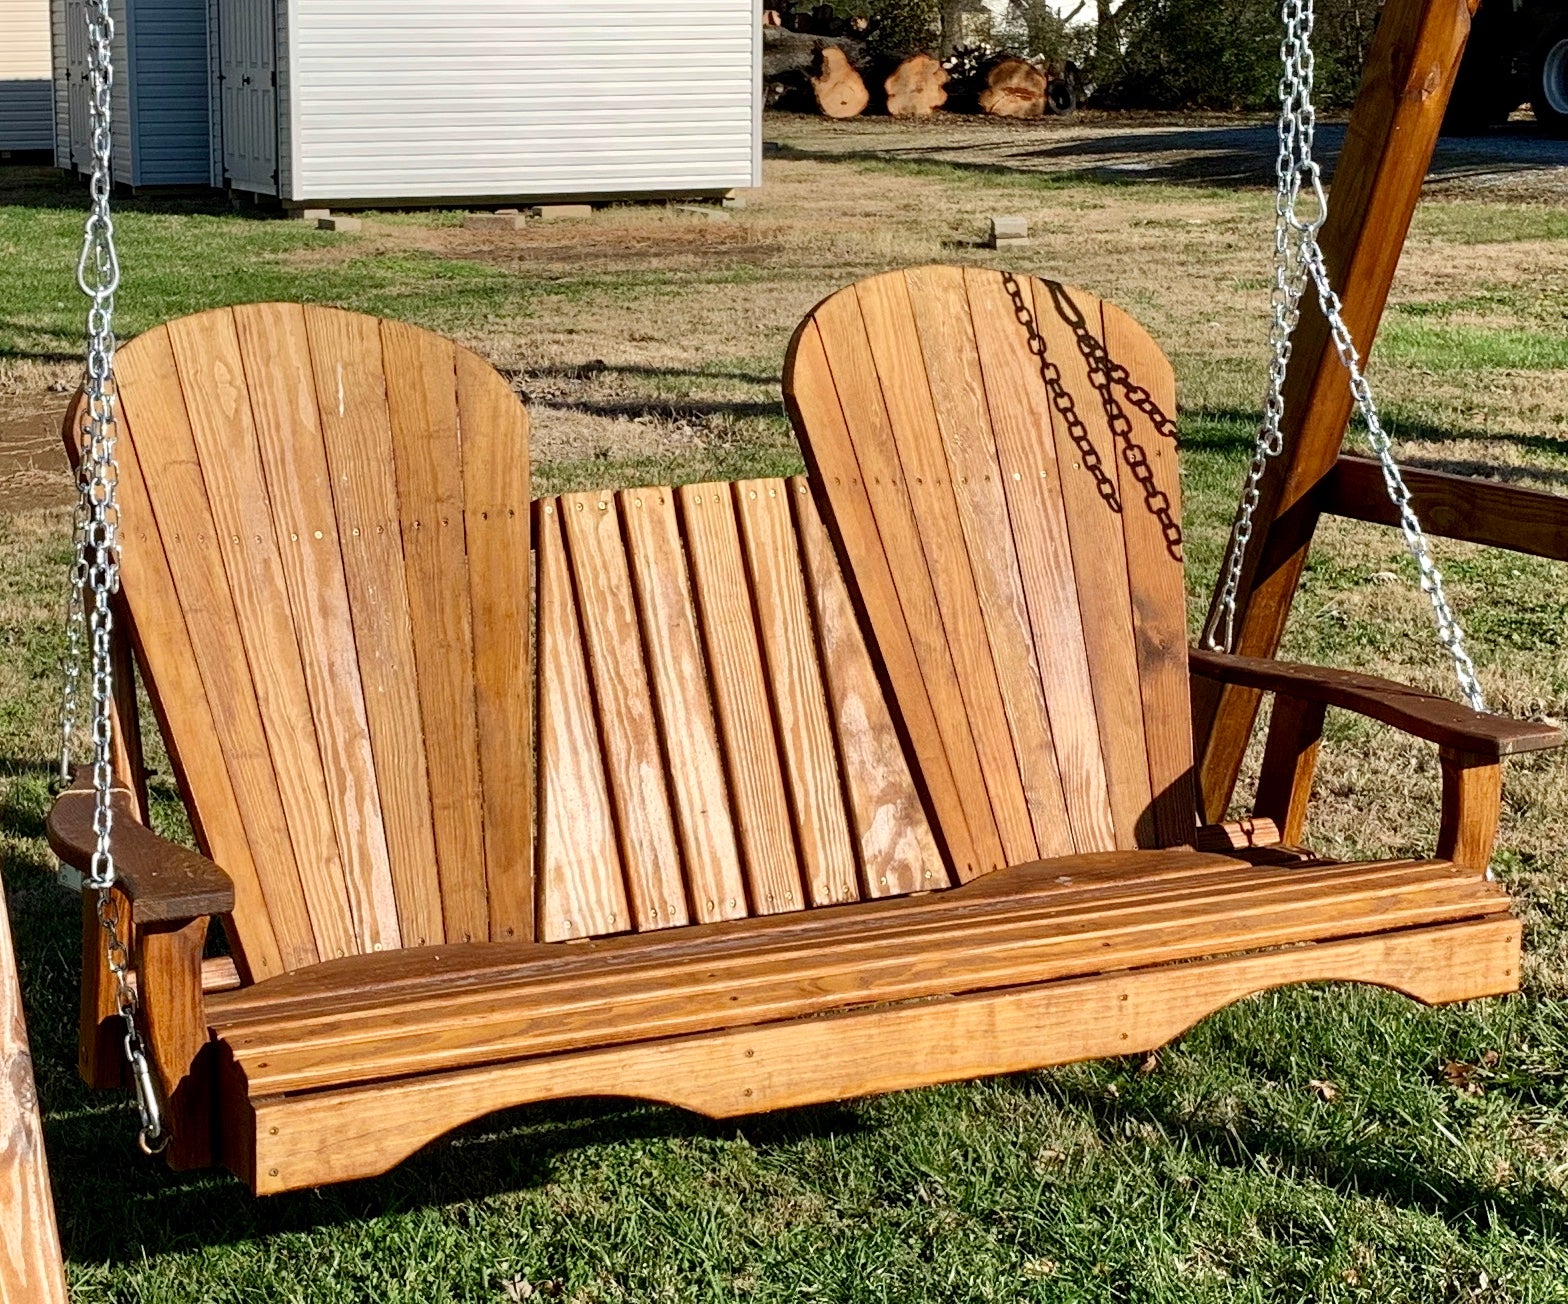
338	102
25	97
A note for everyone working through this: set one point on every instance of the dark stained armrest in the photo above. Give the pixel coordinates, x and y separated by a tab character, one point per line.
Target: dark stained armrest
165	882
1421	714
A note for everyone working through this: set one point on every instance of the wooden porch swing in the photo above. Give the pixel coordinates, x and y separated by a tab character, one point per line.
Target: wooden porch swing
803	789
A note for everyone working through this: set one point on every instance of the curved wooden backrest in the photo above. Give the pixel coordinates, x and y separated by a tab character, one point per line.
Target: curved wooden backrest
325	539
713	739
996	460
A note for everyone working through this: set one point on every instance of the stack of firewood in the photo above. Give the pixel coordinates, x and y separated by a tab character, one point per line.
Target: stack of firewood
836	76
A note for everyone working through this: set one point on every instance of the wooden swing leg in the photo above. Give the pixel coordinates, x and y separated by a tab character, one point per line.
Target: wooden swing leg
1472	807
168	964
99	1058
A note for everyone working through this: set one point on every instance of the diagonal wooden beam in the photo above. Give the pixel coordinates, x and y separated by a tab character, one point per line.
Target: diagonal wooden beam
1388	147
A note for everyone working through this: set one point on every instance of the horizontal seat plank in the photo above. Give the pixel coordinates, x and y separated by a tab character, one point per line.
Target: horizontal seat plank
553	1006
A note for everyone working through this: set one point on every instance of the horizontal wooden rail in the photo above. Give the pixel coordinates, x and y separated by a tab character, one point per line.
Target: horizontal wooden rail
1454	506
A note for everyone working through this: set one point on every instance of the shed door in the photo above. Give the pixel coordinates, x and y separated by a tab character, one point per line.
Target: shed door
78	94
248	67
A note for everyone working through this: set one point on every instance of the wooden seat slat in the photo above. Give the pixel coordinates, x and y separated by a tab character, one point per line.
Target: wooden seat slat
1019	412
946	334
792	660
740	694
610	1006
275	356
427	459
623	704
581	891
897	851
672	645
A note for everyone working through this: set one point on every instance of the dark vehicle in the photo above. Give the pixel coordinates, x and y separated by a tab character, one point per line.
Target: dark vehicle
1518	53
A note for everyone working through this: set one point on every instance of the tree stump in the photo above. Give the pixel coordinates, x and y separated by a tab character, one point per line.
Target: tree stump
840	91
917	88
1014	88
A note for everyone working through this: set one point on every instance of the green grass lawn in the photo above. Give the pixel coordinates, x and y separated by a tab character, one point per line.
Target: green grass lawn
1319	1143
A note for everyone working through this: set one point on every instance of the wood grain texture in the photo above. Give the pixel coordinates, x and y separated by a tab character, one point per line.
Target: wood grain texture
161	477
169	997
740	694
672	644
351	395
897	850
1411	65
946	332
1452	506
1019	408
792	660
581	890
31	1269
908	955
901	368
1151	521
493	427
1472	806
1290	760
275	353
623	698
345	1134
421	404
812	391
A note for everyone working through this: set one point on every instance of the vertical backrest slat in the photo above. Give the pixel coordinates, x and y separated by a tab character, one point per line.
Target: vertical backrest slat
207	356
917	443
679	678
581	891
493	429
623	701
857	466
792	660
1000	453
952	360
746	726
897	851
349	372
1020	411
422	415
162	457
1091	492
1151	492
179	691
276	357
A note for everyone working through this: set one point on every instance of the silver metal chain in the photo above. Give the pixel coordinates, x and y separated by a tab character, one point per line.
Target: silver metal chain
95	569
1298	262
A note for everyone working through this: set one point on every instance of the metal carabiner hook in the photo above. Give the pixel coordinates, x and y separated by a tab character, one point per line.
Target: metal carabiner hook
153	1137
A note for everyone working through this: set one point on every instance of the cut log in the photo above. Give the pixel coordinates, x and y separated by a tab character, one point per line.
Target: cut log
1014	88
917	88
785	52
840	91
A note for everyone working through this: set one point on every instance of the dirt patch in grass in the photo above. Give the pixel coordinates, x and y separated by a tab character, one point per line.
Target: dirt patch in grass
33	469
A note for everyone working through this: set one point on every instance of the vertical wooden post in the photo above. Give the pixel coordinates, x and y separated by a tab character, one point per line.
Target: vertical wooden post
31	1271
1388	148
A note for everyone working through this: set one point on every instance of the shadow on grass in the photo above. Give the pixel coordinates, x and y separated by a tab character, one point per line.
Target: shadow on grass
52	188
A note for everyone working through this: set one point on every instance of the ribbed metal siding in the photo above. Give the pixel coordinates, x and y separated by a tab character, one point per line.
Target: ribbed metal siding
26	100
170	88
533	98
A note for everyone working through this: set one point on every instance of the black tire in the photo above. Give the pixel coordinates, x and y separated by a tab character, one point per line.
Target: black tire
1061	96
1549	83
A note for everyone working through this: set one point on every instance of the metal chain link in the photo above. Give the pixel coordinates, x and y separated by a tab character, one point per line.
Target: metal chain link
95	569
1298	261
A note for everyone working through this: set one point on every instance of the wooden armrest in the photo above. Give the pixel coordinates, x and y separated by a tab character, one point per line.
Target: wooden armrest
164	882
1421	714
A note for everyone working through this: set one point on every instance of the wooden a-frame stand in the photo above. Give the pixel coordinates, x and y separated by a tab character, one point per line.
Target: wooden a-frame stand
1388	148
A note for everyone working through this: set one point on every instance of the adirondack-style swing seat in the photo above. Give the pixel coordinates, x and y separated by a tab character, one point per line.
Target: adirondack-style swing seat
800	789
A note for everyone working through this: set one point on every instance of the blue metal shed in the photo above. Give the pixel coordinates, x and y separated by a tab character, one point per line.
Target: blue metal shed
162	134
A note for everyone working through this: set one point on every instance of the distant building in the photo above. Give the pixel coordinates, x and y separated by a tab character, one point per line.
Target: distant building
25	93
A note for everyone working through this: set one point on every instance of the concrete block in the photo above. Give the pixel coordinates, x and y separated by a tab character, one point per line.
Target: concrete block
734	201
704	210
555	212
494	222
1008	231
339	223
310	214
